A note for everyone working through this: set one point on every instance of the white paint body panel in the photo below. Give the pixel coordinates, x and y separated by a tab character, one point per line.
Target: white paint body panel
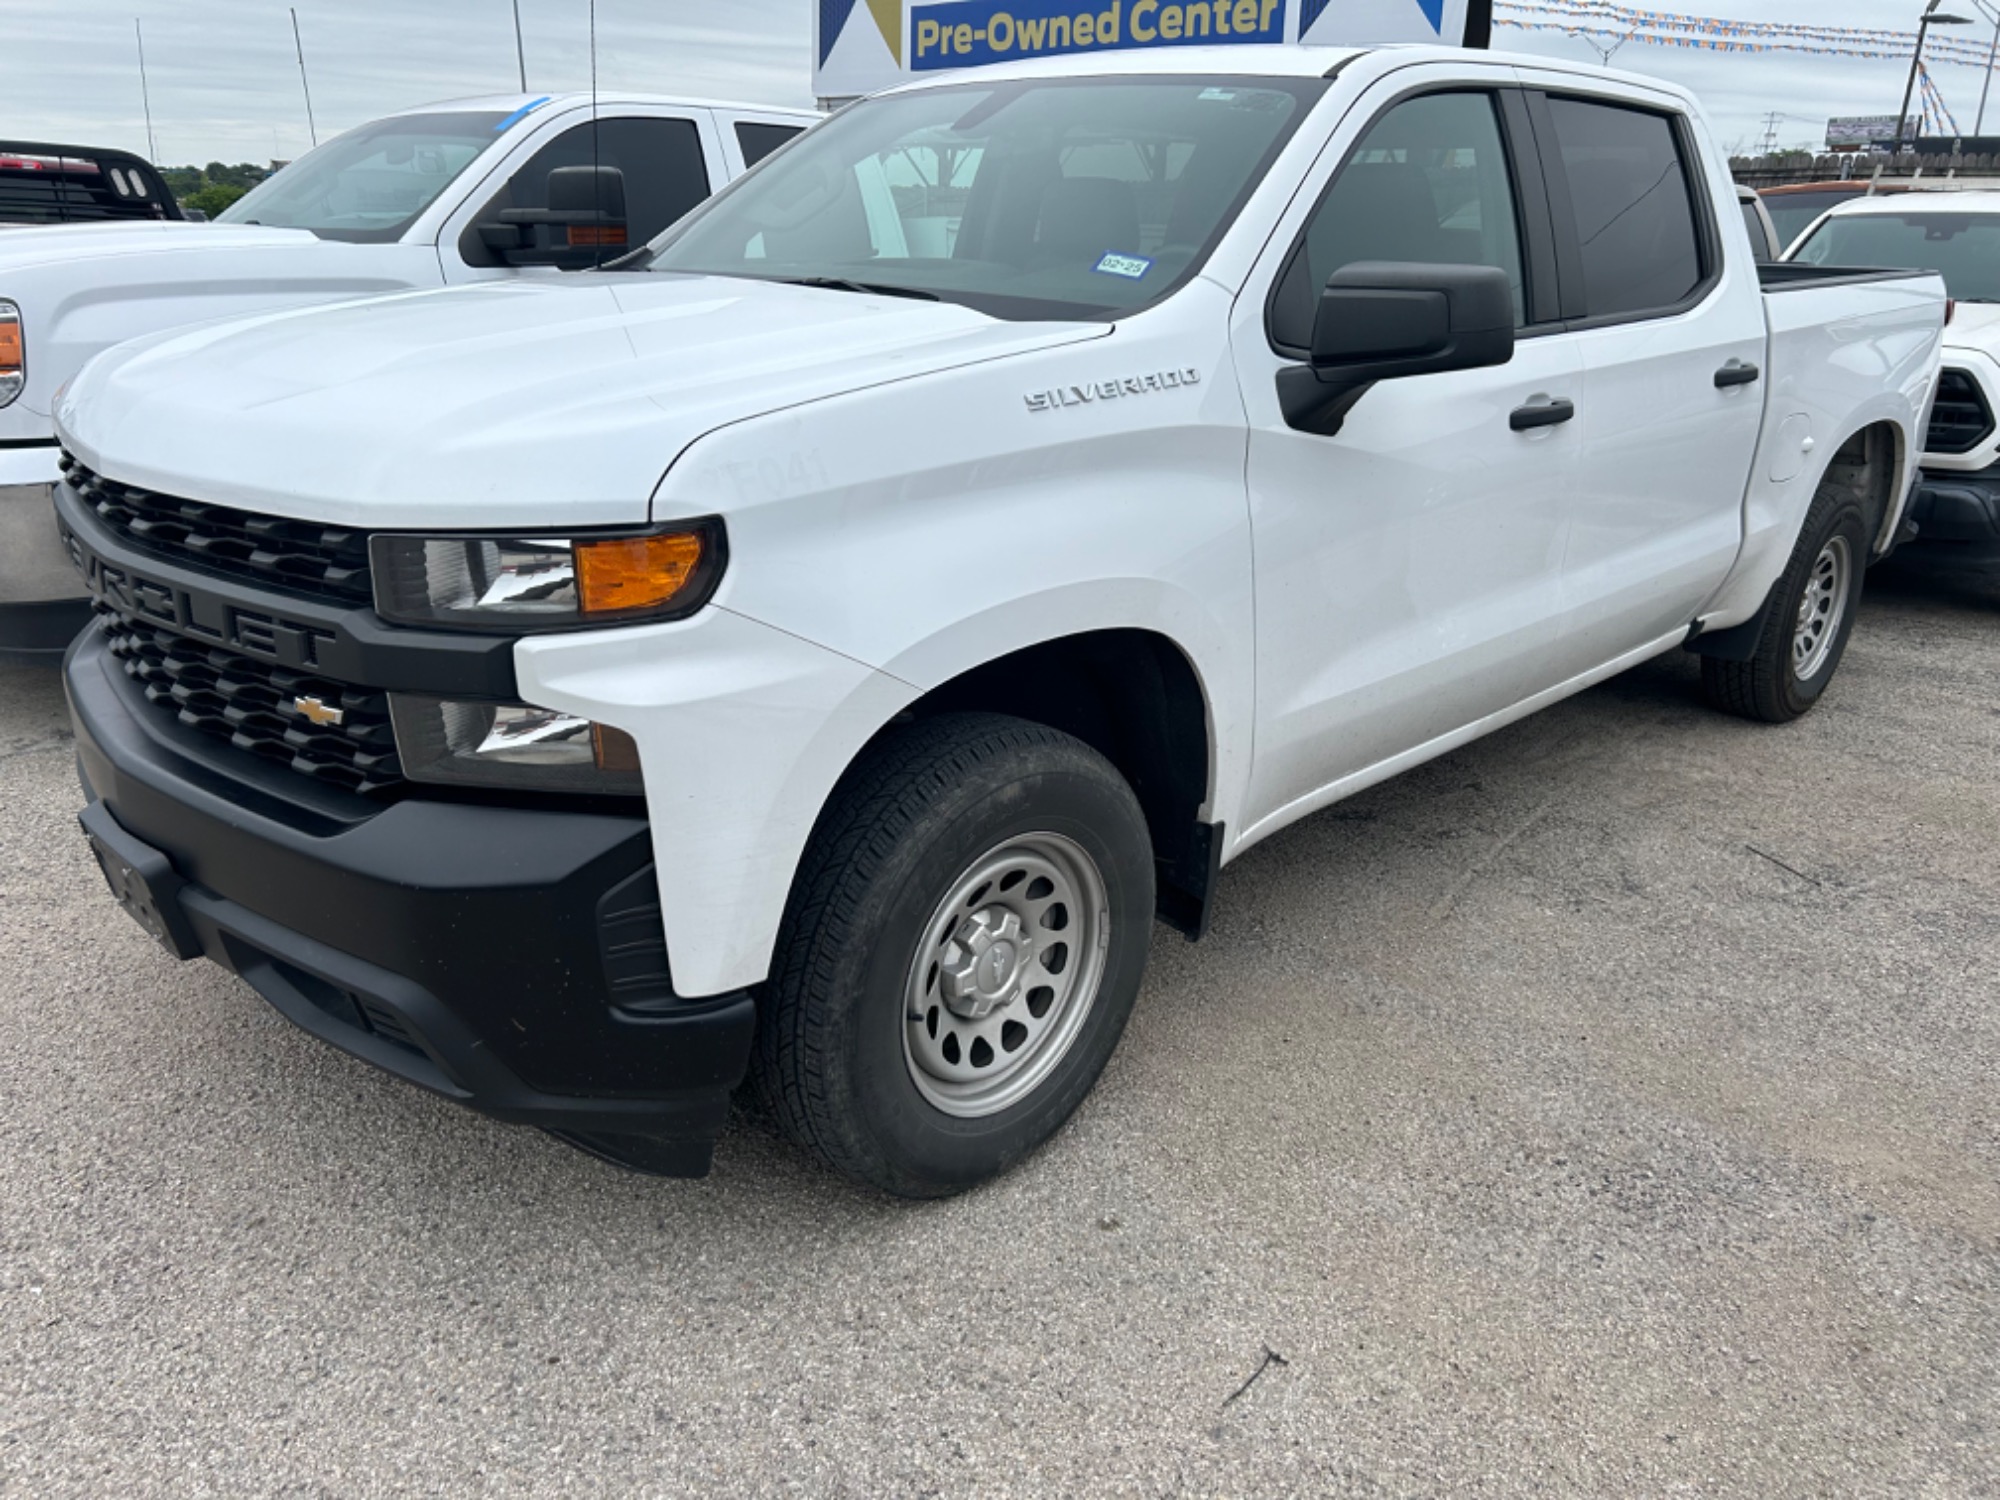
1972	337
899	515
87	287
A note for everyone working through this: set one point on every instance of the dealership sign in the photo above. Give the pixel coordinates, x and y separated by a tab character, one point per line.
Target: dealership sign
860	46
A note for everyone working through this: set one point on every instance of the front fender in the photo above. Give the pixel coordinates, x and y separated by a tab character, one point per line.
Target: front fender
743	731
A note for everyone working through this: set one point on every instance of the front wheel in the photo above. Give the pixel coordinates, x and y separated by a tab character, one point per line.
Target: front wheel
963	945
1812	614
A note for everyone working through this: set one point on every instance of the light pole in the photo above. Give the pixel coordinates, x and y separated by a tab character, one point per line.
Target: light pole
1930	18
1987	10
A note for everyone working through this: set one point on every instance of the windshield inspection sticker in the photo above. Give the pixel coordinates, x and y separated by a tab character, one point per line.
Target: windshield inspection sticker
1131	267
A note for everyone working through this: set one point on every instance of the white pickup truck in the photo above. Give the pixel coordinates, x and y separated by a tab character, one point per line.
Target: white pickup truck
448	193
817	648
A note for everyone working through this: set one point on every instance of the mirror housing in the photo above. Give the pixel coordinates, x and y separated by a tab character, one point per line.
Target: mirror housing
1382	320
583	226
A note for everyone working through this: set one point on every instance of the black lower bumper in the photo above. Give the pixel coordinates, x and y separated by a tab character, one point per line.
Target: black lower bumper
1957	516
42	627
509	958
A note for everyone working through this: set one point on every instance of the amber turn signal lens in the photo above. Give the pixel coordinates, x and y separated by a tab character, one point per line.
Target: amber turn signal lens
613	749
10	347
636	572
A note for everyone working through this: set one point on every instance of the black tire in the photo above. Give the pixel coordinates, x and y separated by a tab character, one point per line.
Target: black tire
919	810
1768	686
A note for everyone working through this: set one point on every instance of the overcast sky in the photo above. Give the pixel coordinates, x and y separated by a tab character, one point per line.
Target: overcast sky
225	81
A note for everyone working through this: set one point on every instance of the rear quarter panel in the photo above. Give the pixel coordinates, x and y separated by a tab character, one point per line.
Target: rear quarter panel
1839	359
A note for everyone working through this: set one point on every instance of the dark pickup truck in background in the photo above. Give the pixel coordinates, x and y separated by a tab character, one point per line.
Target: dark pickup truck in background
44	184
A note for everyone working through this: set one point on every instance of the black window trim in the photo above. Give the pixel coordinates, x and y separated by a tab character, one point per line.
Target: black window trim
1569	249
1532	209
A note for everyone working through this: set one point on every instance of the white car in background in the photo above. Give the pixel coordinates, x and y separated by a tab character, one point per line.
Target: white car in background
1956	507
444	194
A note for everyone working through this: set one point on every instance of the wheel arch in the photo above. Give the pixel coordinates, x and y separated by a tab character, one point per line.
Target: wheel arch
1134	695
1869	465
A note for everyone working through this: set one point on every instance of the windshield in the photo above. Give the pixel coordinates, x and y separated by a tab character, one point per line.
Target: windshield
1963	248
371	183
1059	198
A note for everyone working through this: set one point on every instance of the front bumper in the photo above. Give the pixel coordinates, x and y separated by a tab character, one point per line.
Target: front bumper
509	958
42	603
1957	516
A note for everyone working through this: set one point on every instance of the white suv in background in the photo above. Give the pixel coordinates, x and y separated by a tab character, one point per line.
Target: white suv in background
1956	508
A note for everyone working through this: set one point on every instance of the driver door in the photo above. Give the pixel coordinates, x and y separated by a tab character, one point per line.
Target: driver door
1408	568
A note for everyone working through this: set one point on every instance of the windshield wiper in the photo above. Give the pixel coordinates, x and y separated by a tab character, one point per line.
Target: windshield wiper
842	284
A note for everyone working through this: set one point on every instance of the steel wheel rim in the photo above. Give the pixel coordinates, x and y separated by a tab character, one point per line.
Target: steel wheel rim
1005	975
1821	608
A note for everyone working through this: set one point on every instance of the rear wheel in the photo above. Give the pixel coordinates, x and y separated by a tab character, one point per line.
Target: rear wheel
964	943
1812	614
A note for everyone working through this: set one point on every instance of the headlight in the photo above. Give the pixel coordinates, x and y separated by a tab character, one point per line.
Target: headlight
13	359
460	742
520	583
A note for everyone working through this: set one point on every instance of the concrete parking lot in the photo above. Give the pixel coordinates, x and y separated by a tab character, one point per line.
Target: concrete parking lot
1612	1107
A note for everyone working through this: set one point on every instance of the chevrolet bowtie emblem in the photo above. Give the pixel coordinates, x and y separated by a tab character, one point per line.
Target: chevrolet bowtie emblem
317	710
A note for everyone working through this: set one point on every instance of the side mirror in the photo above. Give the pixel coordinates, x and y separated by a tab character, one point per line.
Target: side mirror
585	219
1382	320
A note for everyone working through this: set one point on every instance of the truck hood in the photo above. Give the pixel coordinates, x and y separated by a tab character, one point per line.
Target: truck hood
69	243
521	403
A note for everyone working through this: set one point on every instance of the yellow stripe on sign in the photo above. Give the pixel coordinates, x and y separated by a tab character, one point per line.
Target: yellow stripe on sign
888	16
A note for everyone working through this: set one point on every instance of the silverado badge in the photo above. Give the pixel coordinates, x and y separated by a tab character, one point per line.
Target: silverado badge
320	712
1111	390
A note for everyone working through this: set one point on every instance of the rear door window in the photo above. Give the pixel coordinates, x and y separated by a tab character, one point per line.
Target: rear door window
759	140
1638	241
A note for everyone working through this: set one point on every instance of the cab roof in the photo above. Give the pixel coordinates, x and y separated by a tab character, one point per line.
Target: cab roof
530	104
1926	200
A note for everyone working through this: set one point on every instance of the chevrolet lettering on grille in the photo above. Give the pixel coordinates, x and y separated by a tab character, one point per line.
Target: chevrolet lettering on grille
199	616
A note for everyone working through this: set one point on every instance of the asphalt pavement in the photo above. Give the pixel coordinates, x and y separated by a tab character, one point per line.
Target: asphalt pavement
1609	1108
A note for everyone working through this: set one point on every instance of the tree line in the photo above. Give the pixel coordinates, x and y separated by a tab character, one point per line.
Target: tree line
212	188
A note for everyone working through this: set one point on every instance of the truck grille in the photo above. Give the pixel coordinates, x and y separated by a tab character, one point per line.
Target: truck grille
330	562
249	703
1961	419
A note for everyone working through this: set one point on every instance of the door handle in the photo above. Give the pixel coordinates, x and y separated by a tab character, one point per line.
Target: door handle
1540	414
1736	372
